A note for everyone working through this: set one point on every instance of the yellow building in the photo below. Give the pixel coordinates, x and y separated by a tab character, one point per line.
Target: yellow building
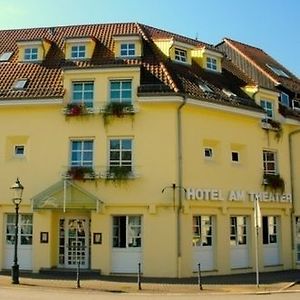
136	145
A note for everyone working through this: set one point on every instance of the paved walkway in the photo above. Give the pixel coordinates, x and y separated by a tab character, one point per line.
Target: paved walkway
241	283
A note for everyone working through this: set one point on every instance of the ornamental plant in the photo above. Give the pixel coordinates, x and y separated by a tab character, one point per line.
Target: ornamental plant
79	172
274	181
75	109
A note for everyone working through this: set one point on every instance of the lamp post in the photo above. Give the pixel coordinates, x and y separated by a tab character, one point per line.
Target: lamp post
17	188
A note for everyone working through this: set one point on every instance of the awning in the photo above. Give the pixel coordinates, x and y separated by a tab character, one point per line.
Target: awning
65	195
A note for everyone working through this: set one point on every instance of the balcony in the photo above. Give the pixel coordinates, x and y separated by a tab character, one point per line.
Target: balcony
77	109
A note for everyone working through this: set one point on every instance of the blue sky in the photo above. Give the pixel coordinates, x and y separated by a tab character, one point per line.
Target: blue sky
272	25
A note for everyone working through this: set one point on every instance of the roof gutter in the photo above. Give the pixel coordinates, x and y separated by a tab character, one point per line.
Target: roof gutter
180	177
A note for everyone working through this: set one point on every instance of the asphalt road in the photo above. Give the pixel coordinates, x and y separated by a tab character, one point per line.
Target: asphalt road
38	293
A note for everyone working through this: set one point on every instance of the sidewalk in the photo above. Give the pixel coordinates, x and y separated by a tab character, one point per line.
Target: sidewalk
242	283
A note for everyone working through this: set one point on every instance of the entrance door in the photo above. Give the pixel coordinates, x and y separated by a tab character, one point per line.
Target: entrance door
270	227
127	243
74	242
203	248
239	242
24	241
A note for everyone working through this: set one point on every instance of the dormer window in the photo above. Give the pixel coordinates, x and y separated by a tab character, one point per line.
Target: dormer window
5	56
79	48
180	55
284	99
19	84
127	49
31	53
211	63
127	46
78	51
229	93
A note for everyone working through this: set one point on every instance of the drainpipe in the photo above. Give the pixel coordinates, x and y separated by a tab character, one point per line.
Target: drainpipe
291	134
180	166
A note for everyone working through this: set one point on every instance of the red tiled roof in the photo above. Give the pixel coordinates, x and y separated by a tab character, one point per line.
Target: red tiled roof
158	73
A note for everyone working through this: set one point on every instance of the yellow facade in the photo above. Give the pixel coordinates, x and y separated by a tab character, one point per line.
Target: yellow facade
197	167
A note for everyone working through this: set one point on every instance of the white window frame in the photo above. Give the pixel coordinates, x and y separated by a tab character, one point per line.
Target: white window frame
270	233
202	231
81	162
133	232
238	157
127	49
78	51
267	162
180	55
83	92
23	233
120	162
268	110
15	154
120	91
31	54
211	63
238	230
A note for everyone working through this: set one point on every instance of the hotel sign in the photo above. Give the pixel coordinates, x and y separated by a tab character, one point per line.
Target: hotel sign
235	195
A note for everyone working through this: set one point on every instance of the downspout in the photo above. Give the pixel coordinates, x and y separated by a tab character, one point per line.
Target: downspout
180	176
291	134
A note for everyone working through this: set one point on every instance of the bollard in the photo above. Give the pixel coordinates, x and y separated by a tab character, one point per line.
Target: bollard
199	277
78	274
139	277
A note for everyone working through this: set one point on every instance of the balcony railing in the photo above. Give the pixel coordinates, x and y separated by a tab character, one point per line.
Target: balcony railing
270	124
274	181
107	108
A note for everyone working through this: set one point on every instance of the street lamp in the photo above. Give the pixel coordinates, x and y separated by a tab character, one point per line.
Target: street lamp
17	188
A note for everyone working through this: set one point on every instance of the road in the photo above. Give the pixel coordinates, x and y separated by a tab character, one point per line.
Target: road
37	293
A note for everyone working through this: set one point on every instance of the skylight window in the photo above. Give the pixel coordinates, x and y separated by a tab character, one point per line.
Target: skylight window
5	56
205	88
229	93
20	84
278	71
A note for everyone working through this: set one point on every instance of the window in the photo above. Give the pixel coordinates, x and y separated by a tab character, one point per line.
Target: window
120	154
211	63
205	88
278	71
284	99
202	231
19	151
5	56
24	228
83	93
20	84
238	230
78	51
270	162
298	239
121	91
269	229
235	156
208	153
82	153
268	107
180	55
296	104
127	49
31	54
229	93
127	231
